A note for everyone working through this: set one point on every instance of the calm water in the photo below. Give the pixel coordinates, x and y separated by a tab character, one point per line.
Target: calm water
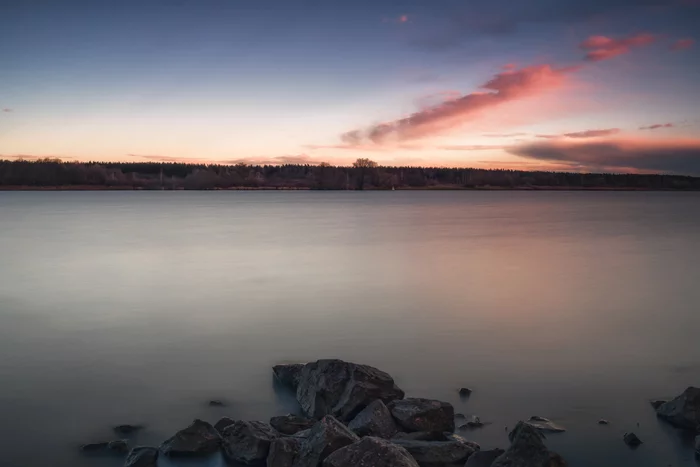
139	307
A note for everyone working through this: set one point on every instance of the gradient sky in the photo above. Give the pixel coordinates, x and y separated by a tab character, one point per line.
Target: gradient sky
566	85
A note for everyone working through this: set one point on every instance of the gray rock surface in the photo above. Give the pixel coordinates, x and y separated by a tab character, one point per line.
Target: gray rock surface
656	403
465	392
290	424
417	414
223	423
198	439
527	449
370	452
631	440
422	436
472	422
545	424
603	421
288	374
142	456
117	446
374	420
483	458
683	411
342	389
327	436
283	451
453	450
248	442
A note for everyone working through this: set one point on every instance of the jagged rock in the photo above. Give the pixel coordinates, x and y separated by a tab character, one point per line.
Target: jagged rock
142	456
283	451
290	424
342	389
527	449
327	436
656	403
465	392
472	422
416	414
198	439
371	452
288	374
223	423
683	411
127	429
248	442
631	440
545	424
454	450
374	420
483	458
603	421
422	436
117	446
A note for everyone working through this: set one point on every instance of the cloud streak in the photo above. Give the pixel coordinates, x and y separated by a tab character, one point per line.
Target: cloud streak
656	126
682	44
6	110
604	48
583	134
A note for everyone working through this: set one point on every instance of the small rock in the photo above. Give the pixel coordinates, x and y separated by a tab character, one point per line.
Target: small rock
198	439
632	440
327	436
216	403
460	415
118	445
93	447
656	403
465	392
142	456
683	411
374	420
483	458
603	421
527	449
223	423
127	429
283	451
472	422
248	442
454	450
544	424
417	414
291	424
371	452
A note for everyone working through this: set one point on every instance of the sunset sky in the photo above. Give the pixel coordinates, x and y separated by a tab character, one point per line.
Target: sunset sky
566	85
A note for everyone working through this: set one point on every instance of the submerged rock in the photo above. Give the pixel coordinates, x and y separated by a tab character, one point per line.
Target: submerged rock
127	429
142	456
291	424
117	446
216	403
465	392
371	452
283	451
603	421
472	422
527	449
342	389
631	440
374	420
656	403
483	458
248	442
288	374
453	450
327	436
415	414
198	439
683	411
545	424
223	423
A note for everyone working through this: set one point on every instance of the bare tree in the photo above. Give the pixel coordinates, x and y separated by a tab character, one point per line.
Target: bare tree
362	168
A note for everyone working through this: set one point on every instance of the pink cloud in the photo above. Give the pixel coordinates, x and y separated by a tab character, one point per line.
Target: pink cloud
6	110
656	126
403	19
604	48
682	44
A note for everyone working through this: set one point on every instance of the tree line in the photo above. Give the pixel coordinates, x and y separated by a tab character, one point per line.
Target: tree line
363	174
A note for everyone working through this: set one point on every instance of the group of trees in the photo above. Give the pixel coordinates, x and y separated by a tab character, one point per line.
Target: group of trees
363	174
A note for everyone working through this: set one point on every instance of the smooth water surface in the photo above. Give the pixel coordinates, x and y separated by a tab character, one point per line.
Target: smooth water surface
139	307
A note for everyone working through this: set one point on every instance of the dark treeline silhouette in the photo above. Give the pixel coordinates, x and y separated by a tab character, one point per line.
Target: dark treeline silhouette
363	174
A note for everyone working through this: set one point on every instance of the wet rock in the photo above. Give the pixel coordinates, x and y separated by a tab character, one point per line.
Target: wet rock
216	403
290	424
422	436
465	392
283	451
472	422
327	436
342	389
118	446
697	445
142	456
683	411
454	450
656	403
94	447
631	440
198	439
288	374
416	414
546	425
374	420
483	458
302	434
248	442
223	423
127	429
371	452
527	449
603	421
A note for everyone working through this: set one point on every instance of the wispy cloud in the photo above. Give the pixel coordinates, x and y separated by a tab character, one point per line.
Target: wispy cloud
6	110
504	135
604	48
682	44
159	158
301	159
656	126
470	147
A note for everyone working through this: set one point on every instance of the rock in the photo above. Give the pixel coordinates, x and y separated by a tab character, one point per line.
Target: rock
248	442
422	436
94	447
460	415
374	420
656	403
454	450
546	425
216	403
118	446
327	436
223	423
283	451
142	456
290	424
465	392
631	440
683	411
302	434
423	415
472	422
288	374
371	452
198	439
697	445
527	449
127	429
342	389
603	421
483	458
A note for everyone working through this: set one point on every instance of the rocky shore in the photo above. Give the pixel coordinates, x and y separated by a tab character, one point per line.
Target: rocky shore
356	416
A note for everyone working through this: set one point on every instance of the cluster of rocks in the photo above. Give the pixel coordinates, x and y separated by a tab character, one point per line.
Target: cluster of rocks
356	416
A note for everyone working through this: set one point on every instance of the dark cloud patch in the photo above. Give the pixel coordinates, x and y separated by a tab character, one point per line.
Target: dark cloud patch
656	126
583	134
6	110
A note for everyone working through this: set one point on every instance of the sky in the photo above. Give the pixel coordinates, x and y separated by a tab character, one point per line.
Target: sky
577	85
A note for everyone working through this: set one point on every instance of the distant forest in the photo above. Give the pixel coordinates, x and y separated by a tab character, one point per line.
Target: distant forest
364	174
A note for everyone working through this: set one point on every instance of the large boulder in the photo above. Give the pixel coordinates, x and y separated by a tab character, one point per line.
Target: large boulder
283	451
415	414
290	424
483	458
342	389
288	374
374	420
527	449
422	436
683	411
198	439
371	452
248	442
142	456
327	436
451	449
